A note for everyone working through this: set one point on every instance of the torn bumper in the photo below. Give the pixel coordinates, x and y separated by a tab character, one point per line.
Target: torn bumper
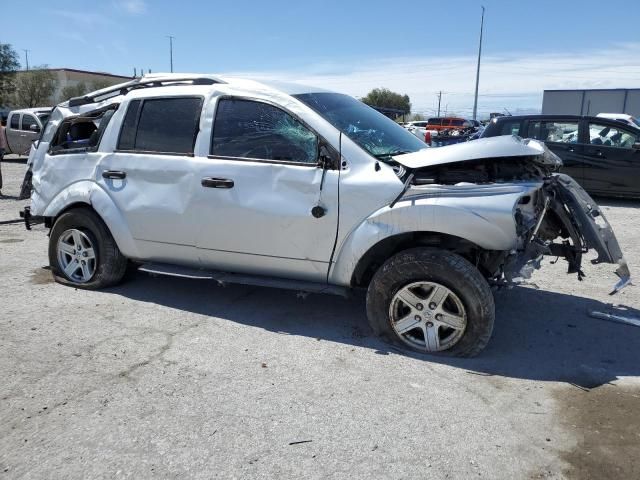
591	225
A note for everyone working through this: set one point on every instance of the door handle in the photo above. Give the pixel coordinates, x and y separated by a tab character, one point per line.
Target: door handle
210	182
114	174
571	149
599	153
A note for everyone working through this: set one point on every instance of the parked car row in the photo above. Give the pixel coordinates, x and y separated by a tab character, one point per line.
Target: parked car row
441	131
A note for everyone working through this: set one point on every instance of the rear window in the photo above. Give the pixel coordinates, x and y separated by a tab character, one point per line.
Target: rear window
162	125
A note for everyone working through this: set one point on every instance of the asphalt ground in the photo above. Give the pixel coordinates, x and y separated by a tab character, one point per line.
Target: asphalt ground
176	378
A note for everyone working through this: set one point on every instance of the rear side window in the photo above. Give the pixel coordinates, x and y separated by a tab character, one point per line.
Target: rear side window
457	123
163	125
510	128
557	132
28	121
15	119
250	129
435	121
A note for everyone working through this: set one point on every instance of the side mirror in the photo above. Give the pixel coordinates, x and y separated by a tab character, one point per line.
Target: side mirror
327	157
34	128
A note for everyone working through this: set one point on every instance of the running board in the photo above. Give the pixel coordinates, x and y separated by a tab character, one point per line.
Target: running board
256	280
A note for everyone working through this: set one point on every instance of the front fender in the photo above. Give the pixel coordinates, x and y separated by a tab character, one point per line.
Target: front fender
90	193
480	214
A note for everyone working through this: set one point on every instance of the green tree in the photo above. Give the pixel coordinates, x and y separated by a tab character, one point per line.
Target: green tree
70	91
383	97
9	64
34	88
100	84
81	88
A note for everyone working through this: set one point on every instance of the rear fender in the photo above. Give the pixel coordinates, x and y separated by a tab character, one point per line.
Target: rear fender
89	193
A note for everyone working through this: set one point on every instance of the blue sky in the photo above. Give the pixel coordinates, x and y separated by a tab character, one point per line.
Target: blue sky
414	47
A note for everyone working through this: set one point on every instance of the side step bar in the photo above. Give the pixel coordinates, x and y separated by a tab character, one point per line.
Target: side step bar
256	280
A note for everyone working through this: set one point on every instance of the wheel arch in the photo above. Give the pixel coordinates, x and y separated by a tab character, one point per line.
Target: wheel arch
384	249
88	195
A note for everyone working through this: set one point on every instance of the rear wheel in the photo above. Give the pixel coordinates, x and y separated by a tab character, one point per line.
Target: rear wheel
82	252
431	301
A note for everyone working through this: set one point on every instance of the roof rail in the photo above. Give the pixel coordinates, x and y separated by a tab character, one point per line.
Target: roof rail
144	82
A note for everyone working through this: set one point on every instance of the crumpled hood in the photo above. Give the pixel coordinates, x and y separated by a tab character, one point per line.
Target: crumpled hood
492	147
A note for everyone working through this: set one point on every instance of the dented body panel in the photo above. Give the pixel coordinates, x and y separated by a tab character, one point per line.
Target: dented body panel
498	195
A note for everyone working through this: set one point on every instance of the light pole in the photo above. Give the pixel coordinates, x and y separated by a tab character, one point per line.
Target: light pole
26	57
475	100
171	37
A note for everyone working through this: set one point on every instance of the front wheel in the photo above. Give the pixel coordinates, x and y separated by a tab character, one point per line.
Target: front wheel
83	253
431	301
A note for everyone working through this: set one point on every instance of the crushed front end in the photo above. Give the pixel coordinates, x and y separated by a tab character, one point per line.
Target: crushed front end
567	223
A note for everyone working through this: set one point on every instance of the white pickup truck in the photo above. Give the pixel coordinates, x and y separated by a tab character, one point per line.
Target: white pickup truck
23	127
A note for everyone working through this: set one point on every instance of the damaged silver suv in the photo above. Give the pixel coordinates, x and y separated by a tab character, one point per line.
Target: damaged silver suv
293	187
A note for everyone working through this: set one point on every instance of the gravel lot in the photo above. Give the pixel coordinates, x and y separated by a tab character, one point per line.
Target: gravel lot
167	378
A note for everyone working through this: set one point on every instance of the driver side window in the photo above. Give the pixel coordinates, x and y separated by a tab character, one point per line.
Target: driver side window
256	130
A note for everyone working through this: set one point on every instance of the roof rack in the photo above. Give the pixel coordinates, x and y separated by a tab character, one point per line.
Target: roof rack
144	82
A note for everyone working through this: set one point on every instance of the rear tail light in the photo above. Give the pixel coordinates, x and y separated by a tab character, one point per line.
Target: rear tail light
427	137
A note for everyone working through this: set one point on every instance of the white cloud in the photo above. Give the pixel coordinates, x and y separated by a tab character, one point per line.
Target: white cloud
134	7
512	81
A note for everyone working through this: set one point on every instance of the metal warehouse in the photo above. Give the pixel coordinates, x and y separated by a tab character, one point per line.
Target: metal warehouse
591	102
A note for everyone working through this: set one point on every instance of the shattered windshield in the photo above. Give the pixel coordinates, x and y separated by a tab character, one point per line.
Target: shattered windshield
377	134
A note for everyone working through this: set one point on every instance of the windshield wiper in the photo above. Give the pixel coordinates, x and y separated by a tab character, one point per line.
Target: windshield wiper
383	156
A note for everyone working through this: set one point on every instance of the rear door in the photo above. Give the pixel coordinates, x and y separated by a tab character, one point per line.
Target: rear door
14	134
150	176
563	138
611	163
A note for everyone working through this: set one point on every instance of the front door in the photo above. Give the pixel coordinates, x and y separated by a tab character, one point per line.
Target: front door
260	202
611	163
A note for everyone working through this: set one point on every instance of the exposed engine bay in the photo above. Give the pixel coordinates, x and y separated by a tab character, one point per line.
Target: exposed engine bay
558	219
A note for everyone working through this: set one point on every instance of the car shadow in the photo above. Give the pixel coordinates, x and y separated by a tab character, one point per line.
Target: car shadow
538	335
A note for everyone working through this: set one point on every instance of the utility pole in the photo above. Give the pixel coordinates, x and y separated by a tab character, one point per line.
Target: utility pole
439	100
475	101
171	37
26	57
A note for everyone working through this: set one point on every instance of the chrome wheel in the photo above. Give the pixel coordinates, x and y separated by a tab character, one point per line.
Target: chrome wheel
428	316
76	256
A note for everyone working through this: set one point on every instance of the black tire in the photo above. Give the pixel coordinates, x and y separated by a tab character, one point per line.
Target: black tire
110	266
447	269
